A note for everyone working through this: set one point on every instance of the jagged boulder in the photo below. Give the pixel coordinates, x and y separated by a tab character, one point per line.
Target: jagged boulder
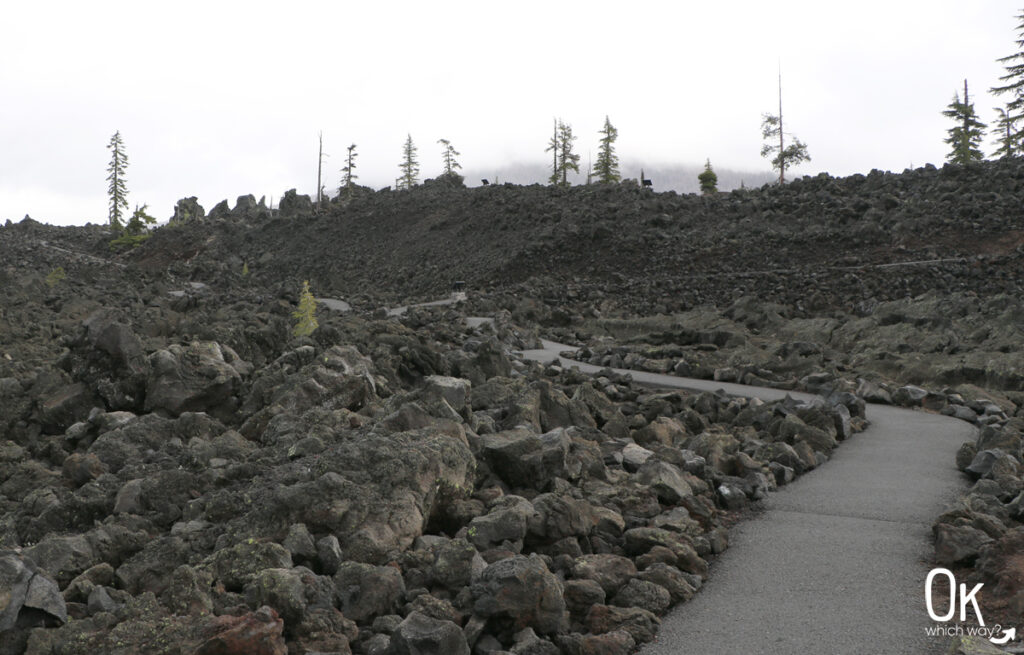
520	592
187	210
292	204
203	376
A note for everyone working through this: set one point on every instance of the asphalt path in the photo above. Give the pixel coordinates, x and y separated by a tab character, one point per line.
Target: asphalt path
837	561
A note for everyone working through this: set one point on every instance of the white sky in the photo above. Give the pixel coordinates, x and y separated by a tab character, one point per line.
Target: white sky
217	99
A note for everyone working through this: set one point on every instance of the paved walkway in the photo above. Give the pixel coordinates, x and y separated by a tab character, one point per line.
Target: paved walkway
837	562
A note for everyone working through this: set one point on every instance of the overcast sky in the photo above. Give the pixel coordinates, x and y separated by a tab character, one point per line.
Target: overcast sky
217	99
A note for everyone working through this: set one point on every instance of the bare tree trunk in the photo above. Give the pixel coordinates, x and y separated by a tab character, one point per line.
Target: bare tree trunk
319	168
782	148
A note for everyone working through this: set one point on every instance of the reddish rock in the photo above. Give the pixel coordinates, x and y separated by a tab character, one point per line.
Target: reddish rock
81	468
255	633
618	642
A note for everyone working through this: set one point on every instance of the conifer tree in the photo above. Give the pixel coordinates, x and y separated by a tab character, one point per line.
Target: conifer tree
965	136
135	231
1014	79
409	166
553	148
708	180
564	159
567	159
349	170
1007	136
305	315
117	190
448	153
607	167
785	157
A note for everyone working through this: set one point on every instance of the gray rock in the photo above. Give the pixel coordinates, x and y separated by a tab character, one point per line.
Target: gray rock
671	579
559	516
990	463
643	594
457	563
522	591
245	204
910	396
617	642
419	634
220	211
367	591
299	542
580	594
236	565
292	204
731	497
328	551
958	544
666	480
639	623
526	642
507	520
63	557
187	210
609	571
24	589
195	378
524	459
634	456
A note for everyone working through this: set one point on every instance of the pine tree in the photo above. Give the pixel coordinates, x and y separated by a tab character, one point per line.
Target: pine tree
1006	135
965	137
785	157
305	315
349	170
1014	80
135	231
567	160
117	190
448	153
140	221
708	180
409	166
564	160
607	168
553	147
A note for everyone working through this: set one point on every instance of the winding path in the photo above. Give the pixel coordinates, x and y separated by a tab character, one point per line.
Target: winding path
837	562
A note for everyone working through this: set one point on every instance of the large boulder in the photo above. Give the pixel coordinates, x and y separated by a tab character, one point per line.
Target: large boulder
958	544
508	520
368	591
524	459
375	491
62	407
665	479
521	592
420	634
255	633
27	596
609	571
292	204
187	210
200	377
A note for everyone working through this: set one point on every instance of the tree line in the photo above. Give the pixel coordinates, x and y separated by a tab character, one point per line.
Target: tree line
965	137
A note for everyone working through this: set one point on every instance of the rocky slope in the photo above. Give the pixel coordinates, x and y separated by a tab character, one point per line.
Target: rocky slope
180	474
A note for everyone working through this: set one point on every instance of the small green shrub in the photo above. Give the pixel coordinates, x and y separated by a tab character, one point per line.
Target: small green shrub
55	277
306	313
128	241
